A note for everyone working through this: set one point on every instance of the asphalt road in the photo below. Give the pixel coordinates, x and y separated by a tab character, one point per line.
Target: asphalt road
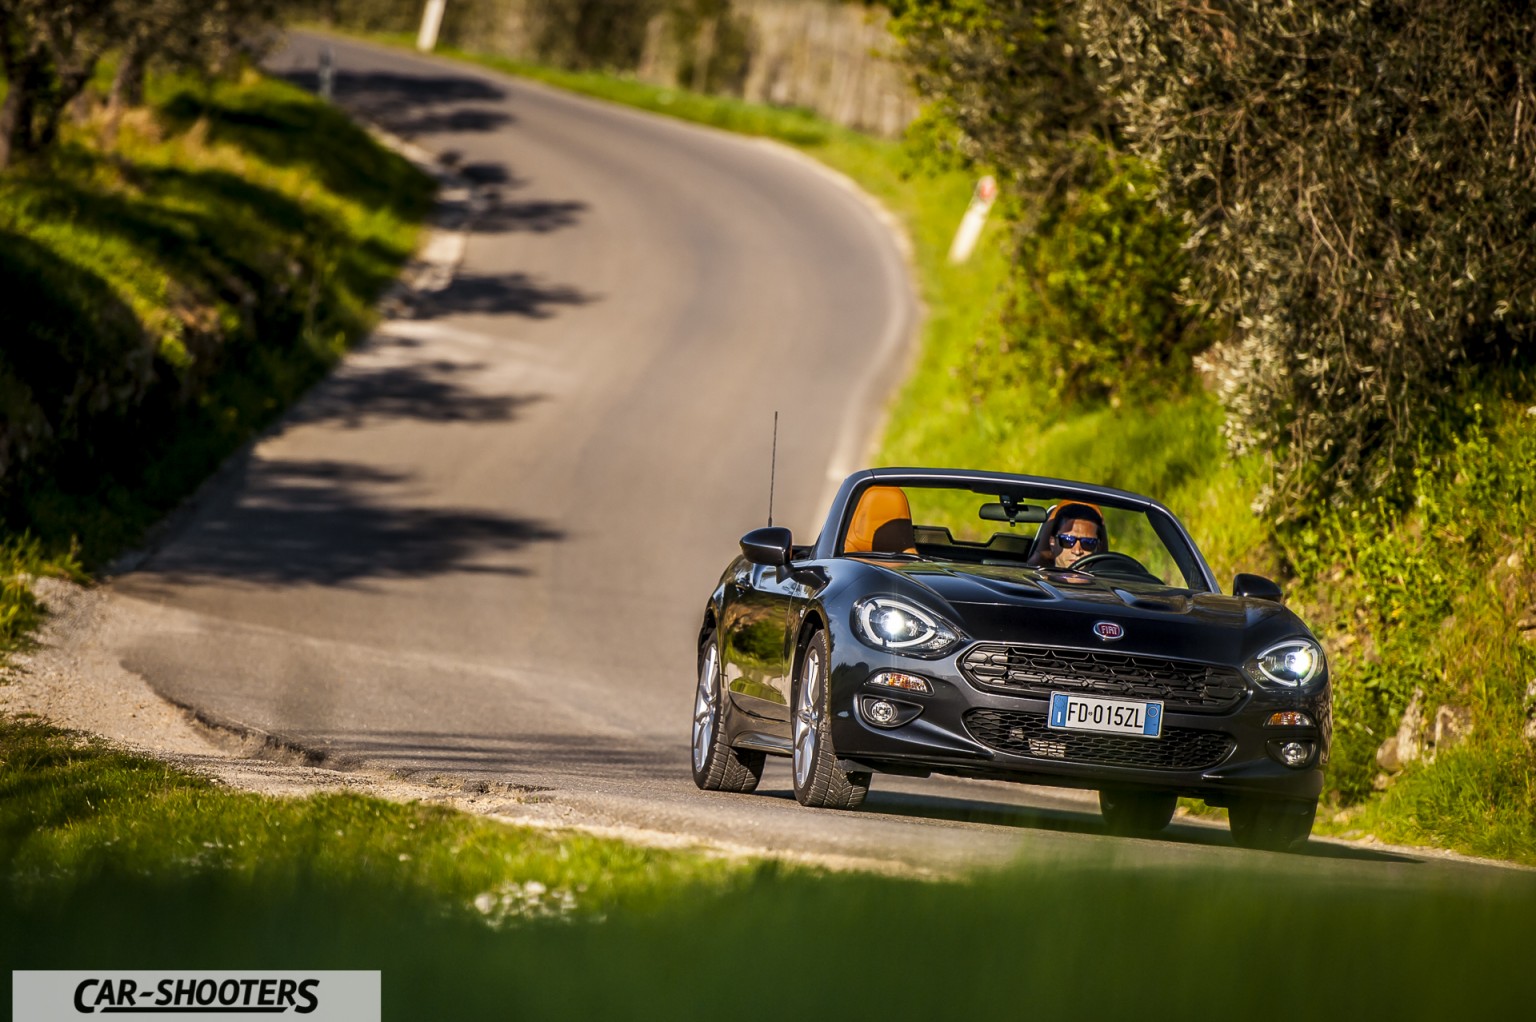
480	550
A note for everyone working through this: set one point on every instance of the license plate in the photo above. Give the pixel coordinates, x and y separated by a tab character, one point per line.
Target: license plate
1072	712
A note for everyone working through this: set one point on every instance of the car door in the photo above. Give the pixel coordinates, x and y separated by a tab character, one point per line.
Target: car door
755	640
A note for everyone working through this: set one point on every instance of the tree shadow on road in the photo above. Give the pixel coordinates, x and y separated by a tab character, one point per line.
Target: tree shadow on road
287	522
509	294
462	120
438	391
397	101
536	216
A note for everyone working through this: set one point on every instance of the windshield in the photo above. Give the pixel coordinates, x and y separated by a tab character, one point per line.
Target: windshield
1050	532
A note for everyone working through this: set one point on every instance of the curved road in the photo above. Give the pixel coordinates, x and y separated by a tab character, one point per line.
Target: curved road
479	551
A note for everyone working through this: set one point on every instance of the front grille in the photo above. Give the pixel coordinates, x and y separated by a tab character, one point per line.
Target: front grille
1026	734
1041	670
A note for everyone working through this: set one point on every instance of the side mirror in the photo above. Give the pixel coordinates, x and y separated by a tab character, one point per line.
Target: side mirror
1256	586
771	546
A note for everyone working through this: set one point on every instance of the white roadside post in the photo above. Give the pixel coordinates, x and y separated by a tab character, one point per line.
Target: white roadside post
327	74
975	218
431	21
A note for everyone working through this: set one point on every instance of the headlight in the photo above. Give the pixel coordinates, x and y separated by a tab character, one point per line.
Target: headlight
1291	664
901	627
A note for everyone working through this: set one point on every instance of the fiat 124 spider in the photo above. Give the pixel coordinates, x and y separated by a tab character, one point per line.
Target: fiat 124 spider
1011	627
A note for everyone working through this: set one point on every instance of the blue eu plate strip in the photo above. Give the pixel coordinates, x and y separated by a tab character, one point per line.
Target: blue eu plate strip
1058	709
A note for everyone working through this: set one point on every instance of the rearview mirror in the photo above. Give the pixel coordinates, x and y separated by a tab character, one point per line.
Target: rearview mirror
1013	514
772	546
1256	586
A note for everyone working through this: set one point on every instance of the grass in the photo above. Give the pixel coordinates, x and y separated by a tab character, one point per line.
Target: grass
107	858
1427	600
74	810
22	559
168	299
178	292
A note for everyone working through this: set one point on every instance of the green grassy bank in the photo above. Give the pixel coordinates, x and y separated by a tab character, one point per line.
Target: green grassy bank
169	296
111	861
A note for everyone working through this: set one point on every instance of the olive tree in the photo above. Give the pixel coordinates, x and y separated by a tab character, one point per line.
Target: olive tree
1359	184
50	49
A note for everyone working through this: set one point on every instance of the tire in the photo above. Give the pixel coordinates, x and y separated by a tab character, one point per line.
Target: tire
1275	825
818	782
717	766
1136	813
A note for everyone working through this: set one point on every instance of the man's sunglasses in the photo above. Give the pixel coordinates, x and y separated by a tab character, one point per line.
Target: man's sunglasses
1067	540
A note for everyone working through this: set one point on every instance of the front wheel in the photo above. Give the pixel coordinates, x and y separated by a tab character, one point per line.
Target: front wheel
717	766
818	781
1275	825
1134	813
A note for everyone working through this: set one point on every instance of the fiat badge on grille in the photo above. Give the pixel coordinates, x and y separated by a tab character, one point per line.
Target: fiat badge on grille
1108	630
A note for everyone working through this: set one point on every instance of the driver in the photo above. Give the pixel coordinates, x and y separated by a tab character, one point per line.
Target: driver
1075	531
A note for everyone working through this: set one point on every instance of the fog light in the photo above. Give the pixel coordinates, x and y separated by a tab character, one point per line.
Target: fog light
1288	718
1295	754
886	713
895	679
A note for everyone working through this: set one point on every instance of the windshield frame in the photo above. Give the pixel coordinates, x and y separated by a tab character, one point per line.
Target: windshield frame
1165	524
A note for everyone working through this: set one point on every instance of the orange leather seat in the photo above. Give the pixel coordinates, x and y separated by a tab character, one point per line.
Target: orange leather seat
881	524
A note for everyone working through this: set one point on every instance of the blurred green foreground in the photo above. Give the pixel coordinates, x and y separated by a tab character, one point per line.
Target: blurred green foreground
109	861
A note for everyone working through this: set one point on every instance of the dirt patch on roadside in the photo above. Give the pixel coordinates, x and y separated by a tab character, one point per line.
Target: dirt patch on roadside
72	680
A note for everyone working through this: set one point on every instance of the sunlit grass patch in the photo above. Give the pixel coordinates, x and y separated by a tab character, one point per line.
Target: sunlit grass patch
22	560
174	294
74	811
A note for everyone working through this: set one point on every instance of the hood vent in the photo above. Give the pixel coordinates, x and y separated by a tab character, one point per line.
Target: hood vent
1172	603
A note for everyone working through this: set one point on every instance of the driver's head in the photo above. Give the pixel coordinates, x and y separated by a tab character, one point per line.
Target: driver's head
1078	531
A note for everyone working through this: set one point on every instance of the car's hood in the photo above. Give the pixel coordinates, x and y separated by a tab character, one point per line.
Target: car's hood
1060	608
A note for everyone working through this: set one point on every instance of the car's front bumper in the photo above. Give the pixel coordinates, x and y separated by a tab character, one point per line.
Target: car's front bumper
971	730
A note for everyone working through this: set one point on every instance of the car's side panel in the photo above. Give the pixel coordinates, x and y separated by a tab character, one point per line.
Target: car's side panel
755	619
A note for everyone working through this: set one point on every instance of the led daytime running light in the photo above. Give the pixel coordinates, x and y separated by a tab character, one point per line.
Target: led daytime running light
1291	664
901	627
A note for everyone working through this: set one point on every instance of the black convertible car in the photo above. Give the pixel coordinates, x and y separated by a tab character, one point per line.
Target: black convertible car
1006	626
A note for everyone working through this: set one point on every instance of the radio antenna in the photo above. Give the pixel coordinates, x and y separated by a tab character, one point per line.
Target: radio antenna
773	464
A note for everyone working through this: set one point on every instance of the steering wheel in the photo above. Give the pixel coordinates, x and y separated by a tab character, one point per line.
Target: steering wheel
1114	564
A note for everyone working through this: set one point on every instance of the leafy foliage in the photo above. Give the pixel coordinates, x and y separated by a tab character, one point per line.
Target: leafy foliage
1351	184
1359	183
50	50
1097	263
1014	78
1428	599
1096	313
21	559
586	34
